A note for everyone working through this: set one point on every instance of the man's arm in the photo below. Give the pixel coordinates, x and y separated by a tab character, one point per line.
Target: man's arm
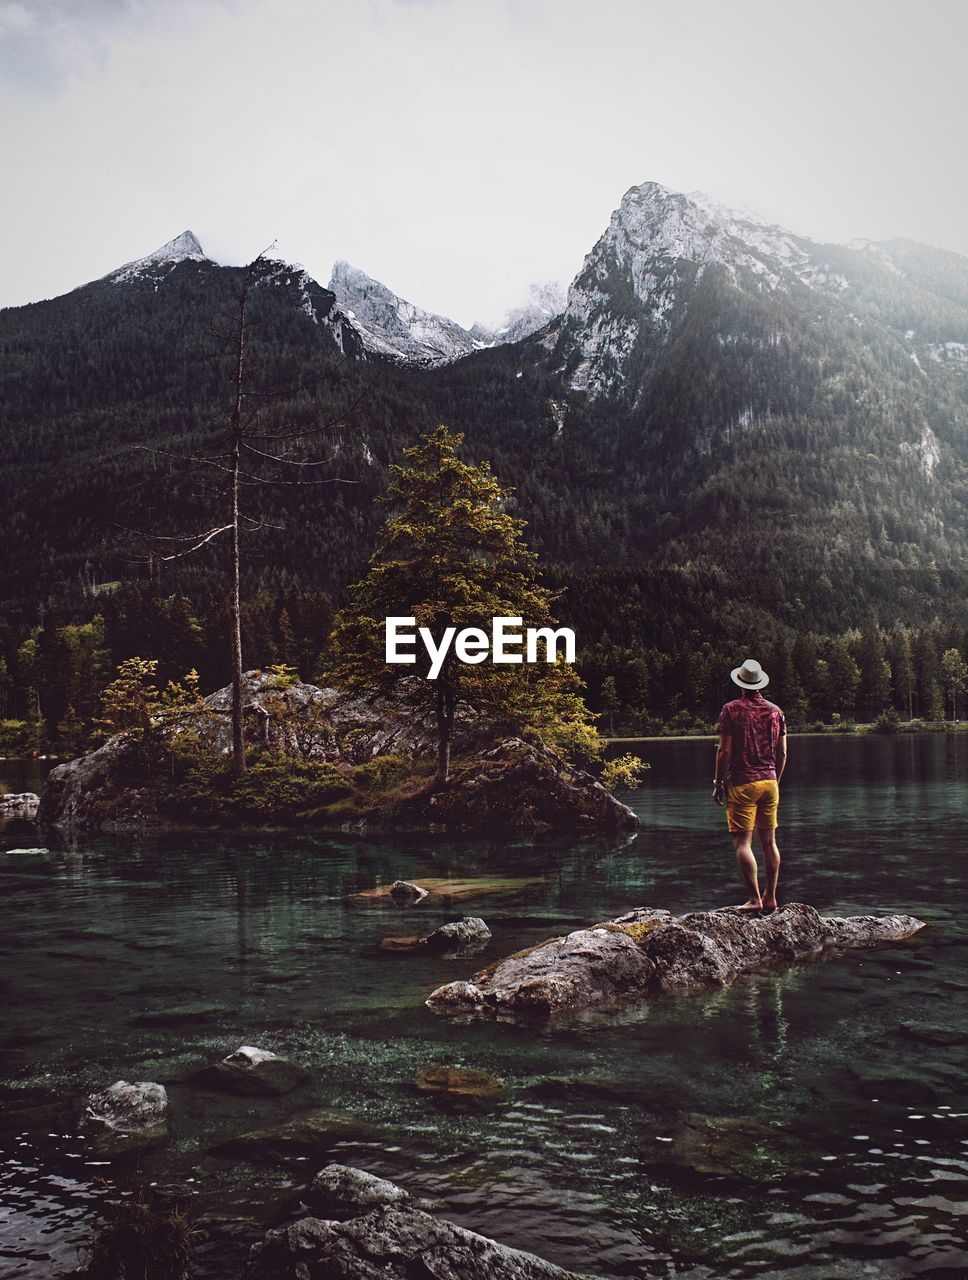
723	754
781	755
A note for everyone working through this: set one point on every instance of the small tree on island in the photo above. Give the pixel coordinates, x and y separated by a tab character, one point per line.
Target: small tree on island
449	555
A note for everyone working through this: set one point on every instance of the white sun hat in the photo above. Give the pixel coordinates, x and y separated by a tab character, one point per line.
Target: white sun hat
750	675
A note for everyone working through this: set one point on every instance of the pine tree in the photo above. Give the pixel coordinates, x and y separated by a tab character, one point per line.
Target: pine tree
610	701
449	555
954	676
844	676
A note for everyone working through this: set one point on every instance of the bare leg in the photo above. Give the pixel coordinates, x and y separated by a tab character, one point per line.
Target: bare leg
771	857
743	843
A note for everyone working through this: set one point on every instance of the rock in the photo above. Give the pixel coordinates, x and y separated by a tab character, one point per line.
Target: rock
932	1034
339	1192
97	793
733	1147
22	804
515	785
894	1084
254	1072
463	1082
405	891
127	1117
305	1136
587	968
394	1241
409	942
452	890
463	936
176	1015
649	952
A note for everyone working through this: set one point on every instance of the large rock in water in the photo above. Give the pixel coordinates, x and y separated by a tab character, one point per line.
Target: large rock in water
648	952
101	791
514	785
253	1072
508	785
375	1231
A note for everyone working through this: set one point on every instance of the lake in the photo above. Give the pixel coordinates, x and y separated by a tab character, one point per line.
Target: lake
146	959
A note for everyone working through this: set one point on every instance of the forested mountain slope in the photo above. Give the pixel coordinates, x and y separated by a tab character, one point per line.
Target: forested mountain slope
731	428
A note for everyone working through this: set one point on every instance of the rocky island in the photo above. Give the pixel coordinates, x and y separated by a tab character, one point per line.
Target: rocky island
326	757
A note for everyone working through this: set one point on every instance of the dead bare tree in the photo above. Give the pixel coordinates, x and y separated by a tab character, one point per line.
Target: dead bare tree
241	463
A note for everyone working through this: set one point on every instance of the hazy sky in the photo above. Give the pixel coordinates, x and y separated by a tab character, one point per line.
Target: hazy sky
460	149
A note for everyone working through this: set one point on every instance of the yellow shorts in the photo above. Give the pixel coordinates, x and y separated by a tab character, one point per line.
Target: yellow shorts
753	804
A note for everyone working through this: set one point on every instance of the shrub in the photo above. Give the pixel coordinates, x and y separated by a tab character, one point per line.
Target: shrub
144	1238
13	735
383	771
623	773
273	787
887	722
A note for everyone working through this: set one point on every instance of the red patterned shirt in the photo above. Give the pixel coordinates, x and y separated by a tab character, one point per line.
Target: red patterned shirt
755	727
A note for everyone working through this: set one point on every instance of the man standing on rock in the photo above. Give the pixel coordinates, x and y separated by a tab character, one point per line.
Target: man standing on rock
750	761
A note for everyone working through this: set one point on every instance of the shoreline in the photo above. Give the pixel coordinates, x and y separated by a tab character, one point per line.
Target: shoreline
858	731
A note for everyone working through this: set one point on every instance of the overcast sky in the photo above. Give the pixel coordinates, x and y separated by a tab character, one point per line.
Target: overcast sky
460	149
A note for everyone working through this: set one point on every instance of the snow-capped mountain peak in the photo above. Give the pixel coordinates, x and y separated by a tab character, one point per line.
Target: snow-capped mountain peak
405	332
657	248
184	248
394	327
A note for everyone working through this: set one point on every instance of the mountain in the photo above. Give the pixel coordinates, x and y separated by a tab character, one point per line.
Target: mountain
395	328
155	266
392	327
319	304
544	304
673	267
728	428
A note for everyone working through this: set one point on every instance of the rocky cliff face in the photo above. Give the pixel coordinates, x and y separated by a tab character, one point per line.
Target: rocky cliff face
395	328
671	263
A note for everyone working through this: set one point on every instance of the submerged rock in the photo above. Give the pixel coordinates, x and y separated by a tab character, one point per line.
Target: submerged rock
21	804
894	1084
648	952
931	1033
393	1240
462	937
454	890
462	1082
127	1117
175	1015
252	1071
307	1135
734	1147
406	891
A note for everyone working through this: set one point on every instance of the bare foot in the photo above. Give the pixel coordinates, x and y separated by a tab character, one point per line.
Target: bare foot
770	904
753	904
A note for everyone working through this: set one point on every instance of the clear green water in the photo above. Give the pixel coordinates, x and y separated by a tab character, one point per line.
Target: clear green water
266	934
